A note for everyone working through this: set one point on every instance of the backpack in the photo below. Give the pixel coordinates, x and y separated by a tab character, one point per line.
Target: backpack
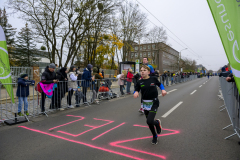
38	88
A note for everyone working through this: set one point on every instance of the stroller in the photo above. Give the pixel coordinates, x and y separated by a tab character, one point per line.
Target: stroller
105	91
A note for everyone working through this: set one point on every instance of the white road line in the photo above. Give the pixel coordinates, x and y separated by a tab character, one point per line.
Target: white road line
171	110
193	92
200	86
203	83
168	92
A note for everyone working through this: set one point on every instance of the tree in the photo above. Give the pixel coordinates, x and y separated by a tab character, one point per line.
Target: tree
62	25
25	52
133	26
156	35
9	33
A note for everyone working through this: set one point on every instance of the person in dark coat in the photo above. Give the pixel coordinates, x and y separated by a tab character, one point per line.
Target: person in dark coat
23	93
48	77
79	78
62	86
103	74
87	78
224	73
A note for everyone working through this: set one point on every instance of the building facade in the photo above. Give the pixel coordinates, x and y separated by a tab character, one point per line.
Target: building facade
161	56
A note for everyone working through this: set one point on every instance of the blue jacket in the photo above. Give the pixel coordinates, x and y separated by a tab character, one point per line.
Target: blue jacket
86	77
23	87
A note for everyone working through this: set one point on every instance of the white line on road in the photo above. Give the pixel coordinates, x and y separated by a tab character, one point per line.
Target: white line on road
203	83
193	92
200	86
168	92
171	110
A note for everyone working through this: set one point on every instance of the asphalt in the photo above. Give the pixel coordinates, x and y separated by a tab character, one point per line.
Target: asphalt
118	130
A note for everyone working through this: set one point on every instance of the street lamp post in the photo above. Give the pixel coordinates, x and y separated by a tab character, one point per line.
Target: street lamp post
180	57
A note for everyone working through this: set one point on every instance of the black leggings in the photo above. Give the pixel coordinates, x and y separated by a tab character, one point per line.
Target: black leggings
150	115
69	97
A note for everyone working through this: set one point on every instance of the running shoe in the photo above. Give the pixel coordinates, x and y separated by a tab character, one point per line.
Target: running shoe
61	109
158	126
155	140
141	110
70	106
26	113
20	114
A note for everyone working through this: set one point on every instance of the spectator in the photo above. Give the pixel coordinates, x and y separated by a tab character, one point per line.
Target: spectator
164	77
136	78
48	77
23	93
103	74
224	73
230	78
86	77
129	80
78	96
72	85
79	78
121	81
97	78
62	86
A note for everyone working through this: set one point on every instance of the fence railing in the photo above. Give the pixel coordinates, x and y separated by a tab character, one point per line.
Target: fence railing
229	93
32	103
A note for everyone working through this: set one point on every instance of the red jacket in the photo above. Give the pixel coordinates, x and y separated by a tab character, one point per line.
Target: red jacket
129	77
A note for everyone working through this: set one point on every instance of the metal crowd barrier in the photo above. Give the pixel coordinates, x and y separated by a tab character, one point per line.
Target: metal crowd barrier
63	98
230	95
168	81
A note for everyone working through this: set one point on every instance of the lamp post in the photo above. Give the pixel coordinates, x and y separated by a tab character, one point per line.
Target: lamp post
180	57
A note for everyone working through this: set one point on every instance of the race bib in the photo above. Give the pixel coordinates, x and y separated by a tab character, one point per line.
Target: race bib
147	104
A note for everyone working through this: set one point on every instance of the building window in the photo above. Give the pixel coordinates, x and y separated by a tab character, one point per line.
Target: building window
153	54
126	54
153	46
140	47
136	48
144	54
149	54
144	47
141	55
149	47
136	55
132	55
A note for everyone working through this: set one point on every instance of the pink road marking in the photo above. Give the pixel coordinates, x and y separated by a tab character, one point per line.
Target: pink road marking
93	127
86	144
81	118
116	144
108	131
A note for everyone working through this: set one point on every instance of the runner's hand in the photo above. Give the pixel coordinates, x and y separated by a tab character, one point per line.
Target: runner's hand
136	95
55	81
164	93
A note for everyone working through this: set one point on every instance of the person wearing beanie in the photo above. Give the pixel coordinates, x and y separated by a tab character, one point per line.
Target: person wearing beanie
224	73
23	93
97	78
86	78
72	85
48	77
78	96
62	87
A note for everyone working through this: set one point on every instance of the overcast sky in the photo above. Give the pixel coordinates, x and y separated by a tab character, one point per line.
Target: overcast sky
190	20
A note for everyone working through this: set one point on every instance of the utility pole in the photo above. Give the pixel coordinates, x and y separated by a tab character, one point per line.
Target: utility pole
180	57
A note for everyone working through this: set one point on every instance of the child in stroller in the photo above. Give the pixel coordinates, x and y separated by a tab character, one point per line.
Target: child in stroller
78	96
105	91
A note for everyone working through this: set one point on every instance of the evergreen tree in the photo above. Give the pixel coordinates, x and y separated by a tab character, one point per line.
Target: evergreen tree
25	51
9	33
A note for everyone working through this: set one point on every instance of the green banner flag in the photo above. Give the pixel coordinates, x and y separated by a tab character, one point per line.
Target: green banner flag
5	72
226	14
